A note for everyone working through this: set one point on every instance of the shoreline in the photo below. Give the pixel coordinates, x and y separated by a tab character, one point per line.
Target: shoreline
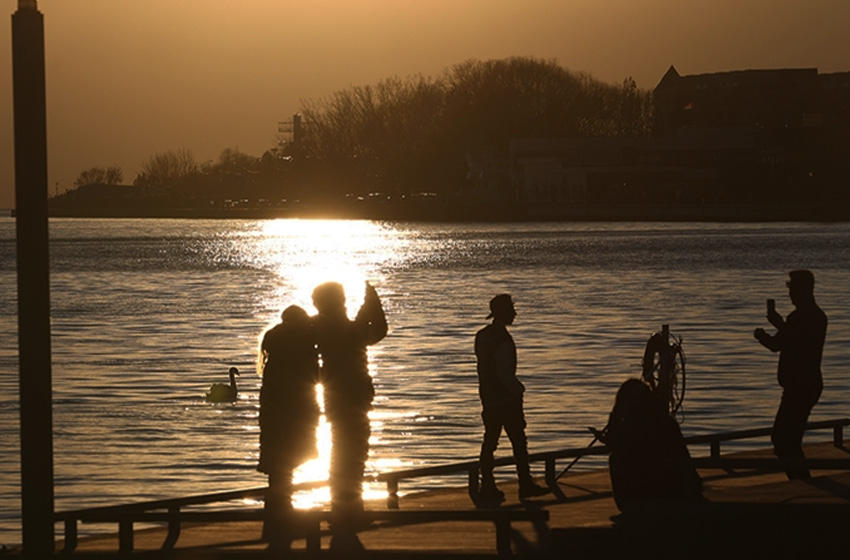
489	214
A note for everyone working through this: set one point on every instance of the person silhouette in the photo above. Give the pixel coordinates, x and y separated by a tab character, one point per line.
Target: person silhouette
501	396
348	390
799	339
649	459
289	413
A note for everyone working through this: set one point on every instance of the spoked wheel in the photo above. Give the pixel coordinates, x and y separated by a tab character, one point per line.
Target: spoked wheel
664	369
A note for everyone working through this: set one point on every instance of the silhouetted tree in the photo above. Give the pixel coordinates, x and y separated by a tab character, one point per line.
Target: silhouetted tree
634	110
493	101
235	175
231	160
111	175
404	135
167	169
374	134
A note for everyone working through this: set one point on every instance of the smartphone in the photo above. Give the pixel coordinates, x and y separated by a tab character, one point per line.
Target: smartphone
771	305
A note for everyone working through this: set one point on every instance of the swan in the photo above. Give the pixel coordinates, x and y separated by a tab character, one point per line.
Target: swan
219	392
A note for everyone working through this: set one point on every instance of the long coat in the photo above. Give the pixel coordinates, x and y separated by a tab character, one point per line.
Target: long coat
289	412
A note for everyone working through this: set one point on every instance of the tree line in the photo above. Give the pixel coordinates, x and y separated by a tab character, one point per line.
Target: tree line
415	134
401	135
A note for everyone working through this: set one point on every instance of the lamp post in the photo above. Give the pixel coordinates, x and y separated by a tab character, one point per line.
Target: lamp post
31	225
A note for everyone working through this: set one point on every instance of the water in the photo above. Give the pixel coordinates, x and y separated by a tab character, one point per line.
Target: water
146	314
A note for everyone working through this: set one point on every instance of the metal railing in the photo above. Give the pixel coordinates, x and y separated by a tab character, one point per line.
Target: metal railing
550	458
393	478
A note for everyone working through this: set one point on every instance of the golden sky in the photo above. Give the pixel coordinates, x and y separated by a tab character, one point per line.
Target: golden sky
129	78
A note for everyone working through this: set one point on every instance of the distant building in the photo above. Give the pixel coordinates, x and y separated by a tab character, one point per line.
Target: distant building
771	99
755	137
757	98
694	166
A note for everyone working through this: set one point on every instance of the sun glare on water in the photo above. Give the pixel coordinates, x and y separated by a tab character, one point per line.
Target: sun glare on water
306	253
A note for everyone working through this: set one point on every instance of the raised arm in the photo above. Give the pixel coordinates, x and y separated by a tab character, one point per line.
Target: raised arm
775	319
371	316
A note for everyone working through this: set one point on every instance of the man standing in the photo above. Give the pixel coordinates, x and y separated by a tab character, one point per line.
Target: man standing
347	389
799	340
501	399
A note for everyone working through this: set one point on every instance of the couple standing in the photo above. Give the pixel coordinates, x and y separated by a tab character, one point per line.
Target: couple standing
289	362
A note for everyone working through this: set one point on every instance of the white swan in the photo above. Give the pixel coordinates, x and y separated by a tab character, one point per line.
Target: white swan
219	392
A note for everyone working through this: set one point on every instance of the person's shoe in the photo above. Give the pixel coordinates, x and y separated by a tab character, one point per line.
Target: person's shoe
531	489
491	494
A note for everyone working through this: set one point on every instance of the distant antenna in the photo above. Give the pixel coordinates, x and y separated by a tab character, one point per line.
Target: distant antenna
291	130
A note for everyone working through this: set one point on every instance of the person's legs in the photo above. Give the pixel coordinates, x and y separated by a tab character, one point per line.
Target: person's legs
492	431
277	508
515	428
350	431
789	427
514	421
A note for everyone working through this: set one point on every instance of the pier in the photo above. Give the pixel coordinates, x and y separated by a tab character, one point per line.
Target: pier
751	510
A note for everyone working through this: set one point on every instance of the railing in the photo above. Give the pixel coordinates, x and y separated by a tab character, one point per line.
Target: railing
550	458
714	440
393	478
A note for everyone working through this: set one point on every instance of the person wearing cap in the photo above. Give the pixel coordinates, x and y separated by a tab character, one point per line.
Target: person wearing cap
799	340
501	399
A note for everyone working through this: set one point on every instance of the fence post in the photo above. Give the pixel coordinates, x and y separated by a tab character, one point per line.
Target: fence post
473	482
125	535
173	527
551	481
392	493
70	535
503	537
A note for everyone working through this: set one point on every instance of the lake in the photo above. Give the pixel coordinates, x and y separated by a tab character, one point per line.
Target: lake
146	314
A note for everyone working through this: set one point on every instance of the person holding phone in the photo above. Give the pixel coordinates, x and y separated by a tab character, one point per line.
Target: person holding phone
799	339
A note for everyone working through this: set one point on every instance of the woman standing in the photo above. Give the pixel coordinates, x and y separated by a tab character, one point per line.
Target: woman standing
289	413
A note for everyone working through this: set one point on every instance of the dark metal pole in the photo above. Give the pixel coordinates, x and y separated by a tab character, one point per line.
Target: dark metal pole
28	79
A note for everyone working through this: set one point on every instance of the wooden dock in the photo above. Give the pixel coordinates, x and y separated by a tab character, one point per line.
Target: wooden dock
747	514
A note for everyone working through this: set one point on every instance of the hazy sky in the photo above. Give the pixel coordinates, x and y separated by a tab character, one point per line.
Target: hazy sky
127	79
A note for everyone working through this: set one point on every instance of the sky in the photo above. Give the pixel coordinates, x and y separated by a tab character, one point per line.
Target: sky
128	79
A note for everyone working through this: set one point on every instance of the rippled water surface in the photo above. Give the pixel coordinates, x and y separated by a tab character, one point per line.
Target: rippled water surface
146	314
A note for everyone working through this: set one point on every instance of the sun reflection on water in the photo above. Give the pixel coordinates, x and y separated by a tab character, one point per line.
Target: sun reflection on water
306	253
